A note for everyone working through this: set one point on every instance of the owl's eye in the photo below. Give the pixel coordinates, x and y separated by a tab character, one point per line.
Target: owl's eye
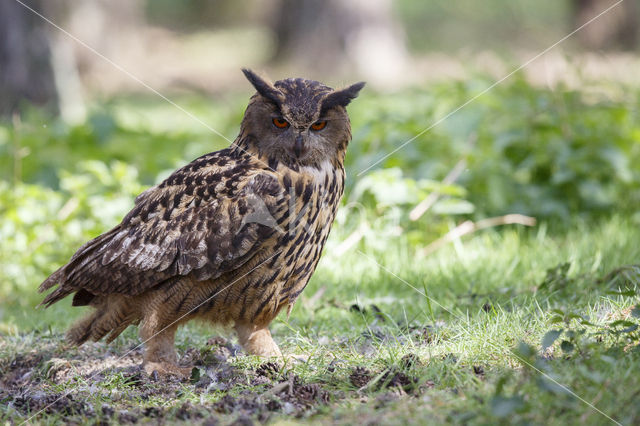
318	125
280	123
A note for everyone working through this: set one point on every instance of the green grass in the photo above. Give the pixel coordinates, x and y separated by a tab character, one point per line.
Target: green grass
477	337
508	325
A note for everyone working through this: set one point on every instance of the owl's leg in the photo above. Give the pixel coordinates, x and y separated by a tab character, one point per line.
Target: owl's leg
160	353
257	340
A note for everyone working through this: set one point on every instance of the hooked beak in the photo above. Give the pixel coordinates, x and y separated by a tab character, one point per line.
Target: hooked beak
298	146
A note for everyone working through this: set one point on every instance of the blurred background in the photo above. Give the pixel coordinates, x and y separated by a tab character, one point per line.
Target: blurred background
82	131
197	46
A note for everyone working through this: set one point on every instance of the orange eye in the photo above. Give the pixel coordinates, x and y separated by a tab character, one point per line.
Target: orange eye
280	123
318	125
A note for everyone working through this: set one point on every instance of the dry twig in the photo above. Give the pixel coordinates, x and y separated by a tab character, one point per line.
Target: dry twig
468	227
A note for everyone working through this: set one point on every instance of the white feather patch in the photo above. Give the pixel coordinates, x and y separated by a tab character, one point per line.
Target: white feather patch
318	174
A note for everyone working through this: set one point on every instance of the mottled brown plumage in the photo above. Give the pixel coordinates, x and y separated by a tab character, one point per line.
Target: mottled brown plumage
233	237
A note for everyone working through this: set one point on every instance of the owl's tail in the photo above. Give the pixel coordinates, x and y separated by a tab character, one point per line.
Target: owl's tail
112	315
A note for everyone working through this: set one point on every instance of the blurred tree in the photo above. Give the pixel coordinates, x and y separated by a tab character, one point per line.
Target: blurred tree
116	30
42	65
331	35
25	67
618	28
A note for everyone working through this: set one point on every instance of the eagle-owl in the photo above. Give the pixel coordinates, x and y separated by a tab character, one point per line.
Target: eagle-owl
231	238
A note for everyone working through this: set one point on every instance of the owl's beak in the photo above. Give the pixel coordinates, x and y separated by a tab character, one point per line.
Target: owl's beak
298	146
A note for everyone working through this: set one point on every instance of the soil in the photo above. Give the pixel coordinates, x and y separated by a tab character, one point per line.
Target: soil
39	382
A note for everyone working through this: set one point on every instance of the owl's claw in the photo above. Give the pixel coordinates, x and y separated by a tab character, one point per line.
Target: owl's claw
165	369
297	358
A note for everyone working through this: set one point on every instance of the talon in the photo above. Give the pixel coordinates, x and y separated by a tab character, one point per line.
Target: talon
165	369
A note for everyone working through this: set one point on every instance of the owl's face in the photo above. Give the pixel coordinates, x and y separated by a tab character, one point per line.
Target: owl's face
298	122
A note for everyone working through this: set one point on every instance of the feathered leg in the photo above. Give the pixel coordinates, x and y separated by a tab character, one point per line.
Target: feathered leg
112	315
160	352
257	341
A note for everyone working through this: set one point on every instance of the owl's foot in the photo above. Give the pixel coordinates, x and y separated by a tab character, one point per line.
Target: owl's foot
160	358
166	369
257	341
297	358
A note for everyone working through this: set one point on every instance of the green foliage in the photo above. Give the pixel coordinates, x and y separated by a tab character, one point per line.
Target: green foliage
569	158
154	138
549	154
380	202
585	335
41	227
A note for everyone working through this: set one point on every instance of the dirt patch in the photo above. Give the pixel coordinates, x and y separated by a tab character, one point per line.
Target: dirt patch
19	370
391	378
112	388
30	403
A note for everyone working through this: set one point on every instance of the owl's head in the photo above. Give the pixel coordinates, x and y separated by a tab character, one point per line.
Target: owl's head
297	122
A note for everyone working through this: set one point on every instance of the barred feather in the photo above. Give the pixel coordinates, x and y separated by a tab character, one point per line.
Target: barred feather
233	236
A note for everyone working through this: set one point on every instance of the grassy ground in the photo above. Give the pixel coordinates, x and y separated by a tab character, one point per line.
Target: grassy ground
514	326
509	325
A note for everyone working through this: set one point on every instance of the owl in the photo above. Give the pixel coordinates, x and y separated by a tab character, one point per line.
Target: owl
231	238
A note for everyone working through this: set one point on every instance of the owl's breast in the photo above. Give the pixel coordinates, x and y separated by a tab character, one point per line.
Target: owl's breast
311	199
316	198
318	192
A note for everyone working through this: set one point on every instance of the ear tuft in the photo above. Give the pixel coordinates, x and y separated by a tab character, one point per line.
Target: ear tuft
342	97
263	87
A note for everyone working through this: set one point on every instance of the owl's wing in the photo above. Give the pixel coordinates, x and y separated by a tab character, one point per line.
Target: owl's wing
206	228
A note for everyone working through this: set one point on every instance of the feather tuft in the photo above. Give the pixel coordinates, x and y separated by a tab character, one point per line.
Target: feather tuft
263	87
341	97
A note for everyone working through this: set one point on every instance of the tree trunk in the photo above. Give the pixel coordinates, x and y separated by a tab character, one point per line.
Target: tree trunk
617	29
25	66
334	36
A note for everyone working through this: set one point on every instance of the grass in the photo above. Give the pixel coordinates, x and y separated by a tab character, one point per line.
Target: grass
379	350
508	325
